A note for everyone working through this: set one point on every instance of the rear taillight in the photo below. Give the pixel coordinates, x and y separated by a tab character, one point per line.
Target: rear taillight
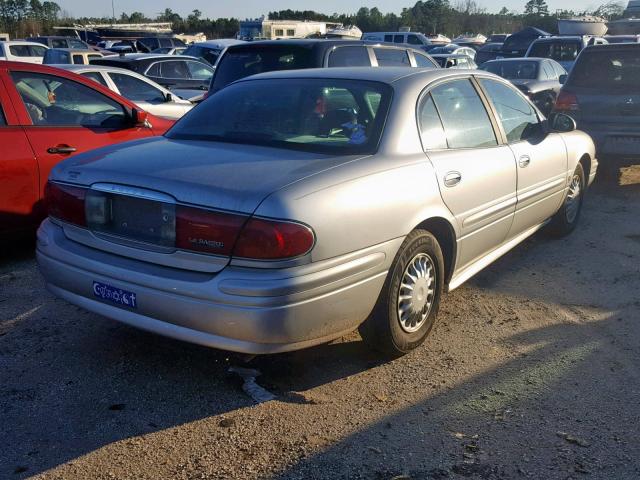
263	239
207	231
65	202
567	102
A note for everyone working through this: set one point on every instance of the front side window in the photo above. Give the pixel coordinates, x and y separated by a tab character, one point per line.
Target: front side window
58	101
165	42
153	71
37	51
431	129
136	90
356	56
174	69
199	71
518	117
465	119
413	40
291	33
96	77
78	59
391	57
398	39
423	60
279	32
19	50
59	43
316	115
387	38
3	121
77	44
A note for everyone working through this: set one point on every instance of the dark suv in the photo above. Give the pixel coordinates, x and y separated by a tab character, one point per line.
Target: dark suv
246	59
602	94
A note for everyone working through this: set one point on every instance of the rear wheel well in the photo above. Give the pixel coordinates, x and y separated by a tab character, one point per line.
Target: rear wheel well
446	236
586	166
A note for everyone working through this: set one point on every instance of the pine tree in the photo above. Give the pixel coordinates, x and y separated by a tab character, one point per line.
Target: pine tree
536	7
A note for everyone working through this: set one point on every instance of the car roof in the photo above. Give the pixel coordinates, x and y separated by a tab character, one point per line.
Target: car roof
94	68
449	55
73	50
520	59
386	75
220	43
614	46
22	42
321	44
135	57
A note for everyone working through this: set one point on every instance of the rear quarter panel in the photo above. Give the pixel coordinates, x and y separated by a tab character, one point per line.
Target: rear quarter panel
365	203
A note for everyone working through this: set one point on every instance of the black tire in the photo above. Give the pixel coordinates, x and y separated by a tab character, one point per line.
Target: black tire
383	330
565	221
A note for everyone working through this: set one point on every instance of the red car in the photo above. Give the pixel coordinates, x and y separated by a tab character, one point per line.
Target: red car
46	115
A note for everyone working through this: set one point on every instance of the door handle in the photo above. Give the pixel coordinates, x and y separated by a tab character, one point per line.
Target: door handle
524	161
451	179
62	149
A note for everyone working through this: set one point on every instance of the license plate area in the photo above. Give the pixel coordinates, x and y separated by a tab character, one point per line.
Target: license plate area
115	295
132	218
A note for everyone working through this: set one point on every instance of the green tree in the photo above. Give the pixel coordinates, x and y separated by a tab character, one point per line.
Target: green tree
536	7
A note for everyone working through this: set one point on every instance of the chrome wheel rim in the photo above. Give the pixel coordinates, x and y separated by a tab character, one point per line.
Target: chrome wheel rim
417	292
572	204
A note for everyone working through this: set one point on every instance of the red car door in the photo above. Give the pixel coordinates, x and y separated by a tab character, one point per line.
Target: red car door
18	171
63	114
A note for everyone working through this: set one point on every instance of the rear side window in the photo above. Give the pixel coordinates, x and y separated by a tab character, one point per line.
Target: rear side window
355	56
173	69
96	77
465	119
398	39
387	38
137	90
391	57
154	70
19	50
236	64
431	129
78	59
608	70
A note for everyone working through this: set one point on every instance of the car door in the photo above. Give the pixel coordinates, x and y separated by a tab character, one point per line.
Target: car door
476	172
541	156
18	171
62	116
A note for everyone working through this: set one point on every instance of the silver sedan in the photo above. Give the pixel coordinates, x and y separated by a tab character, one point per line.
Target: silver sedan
293	207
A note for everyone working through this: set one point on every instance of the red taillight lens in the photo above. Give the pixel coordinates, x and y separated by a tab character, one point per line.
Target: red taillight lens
207	231
567	101
65	203
263	239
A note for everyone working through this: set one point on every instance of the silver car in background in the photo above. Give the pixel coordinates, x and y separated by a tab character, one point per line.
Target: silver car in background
145	93
293	207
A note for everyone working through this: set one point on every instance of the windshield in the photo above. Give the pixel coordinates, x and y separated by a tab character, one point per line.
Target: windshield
240	63
608	70
317	115
513	70
562	51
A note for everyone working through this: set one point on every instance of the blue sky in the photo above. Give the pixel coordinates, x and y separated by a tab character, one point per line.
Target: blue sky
255	8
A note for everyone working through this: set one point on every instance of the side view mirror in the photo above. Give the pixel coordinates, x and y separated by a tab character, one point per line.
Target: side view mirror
563	79
140	118
561	122
168	97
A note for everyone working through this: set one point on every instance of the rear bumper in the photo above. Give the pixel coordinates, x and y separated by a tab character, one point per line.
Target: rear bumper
609	141
244	310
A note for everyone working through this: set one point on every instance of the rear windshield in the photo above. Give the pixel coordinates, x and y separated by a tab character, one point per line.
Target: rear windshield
316	115
559	51
240	63
608	70
513	70
208	54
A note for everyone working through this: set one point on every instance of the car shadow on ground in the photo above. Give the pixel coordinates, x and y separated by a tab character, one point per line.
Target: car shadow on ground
68	376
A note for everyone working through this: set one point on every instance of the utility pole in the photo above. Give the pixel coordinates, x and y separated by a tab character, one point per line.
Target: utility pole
113	11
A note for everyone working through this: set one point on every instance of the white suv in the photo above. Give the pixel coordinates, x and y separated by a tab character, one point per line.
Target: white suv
18	51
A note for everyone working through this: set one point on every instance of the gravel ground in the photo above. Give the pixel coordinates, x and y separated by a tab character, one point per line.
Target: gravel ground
531	372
